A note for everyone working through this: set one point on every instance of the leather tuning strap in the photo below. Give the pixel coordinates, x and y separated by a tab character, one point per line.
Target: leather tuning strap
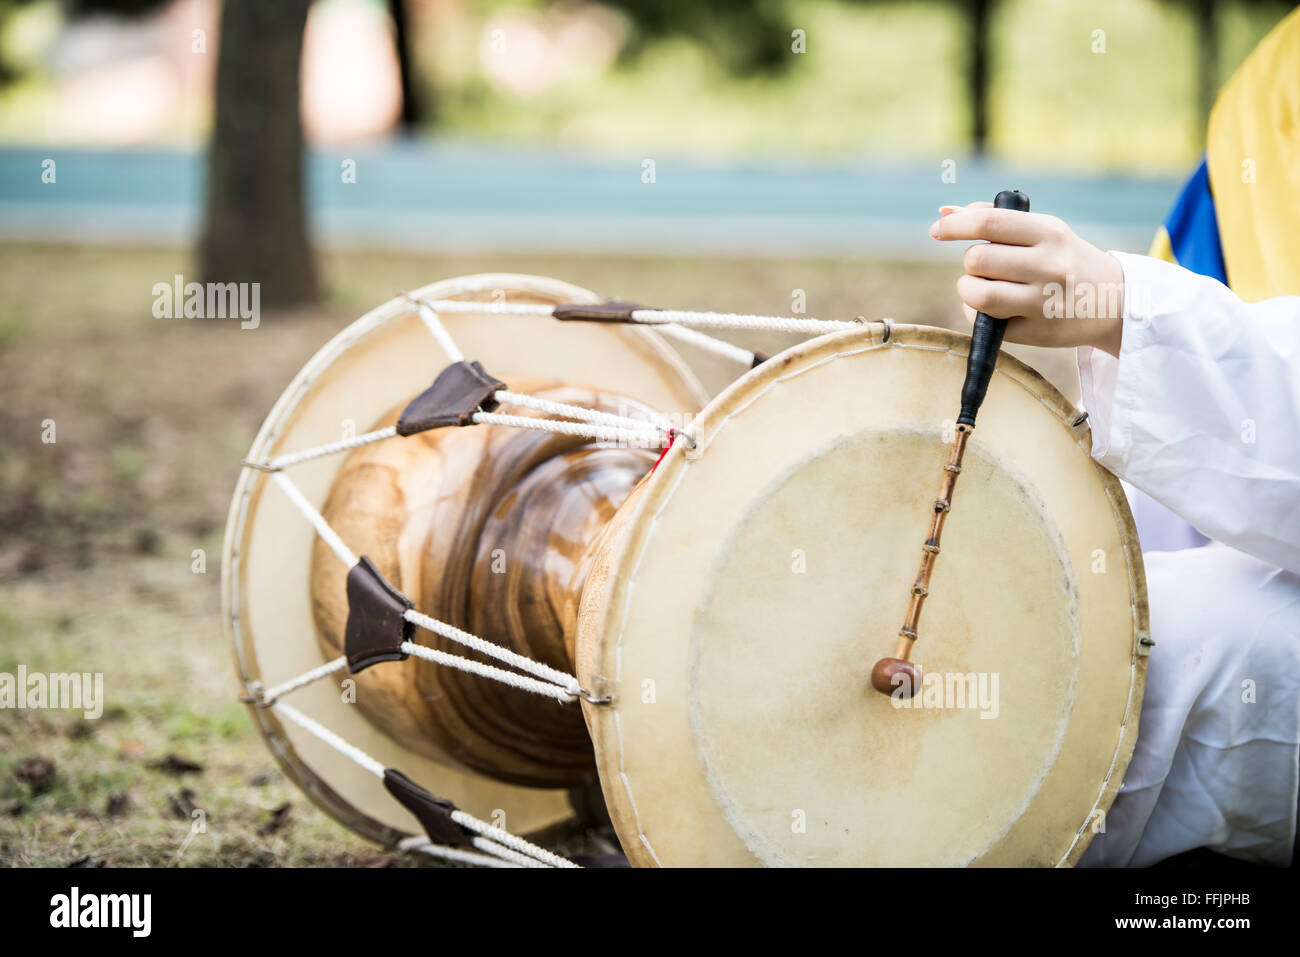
460	390
433	813
612	310
616	310
376	626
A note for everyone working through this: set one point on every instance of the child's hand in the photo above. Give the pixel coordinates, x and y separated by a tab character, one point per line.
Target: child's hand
1054	288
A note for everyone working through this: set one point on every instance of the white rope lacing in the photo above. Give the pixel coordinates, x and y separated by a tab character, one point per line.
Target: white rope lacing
564	689
333	448
468	665
512	841
602	426
581	413
493	835
495	651
731	320
505	854
323	529
422	845
497	855
307	677
439	332
646	435
314	727
711	343
716	320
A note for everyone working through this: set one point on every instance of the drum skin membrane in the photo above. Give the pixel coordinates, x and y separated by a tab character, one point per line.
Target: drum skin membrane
808	763
755	582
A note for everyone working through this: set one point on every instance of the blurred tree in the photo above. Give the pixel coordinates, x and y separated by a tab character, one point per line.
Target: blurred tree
7	8
413	112
122	8
977	72
255	223
1207	57
255	218
1208	78
751	37
748	36
1206	63
74	9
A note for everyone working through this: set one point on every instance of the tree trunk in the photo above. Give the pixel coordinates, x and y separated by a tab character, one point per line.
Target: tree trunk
978	77
255	224
1207	61
411	104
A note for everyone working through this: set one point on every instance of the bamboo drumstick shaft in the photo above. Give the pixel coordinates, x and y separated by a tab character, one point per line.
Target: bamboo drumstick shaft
899	674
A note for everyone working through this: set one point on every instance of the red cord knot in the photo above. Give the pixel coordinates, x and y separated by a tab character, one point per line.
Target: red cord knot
672	437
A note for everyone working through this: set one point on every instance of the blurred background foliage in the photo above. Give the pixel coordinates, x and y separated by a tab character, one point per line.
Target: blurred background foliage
718	80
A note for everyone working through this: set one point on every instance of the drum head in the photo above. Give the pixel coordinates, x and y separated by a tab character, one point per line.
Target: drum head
376	363
754	583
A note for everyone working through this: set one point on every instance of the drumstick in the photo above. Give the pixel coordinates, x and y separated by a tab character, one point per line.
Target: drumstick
986	340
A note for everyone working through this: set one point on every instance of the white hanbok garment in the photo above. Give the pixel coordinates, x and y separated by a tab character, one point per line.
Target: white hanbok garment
1201	411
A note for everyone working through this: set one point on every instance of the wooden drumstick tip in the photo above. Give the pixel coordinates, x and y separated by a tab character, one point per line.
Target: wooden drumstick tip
884	677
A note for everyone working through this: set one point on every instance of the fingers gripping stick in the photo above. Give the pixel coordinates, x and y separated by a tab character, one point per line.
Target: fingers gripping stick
899	674
986	338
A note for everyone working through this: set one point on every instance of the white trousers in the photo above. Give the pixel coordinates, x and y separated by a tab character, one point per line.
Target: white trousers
1217	762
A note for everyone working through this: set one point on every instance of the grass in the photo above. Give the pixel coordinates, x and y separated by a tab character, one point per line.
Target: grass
100	532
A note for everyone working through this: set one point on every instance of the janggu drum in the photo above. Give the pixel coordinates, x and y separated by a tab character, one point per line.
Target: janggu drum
496	561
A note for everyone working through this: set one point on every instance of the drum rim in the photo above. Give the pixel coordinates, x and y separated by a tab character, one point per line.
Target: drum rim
240	639
628	547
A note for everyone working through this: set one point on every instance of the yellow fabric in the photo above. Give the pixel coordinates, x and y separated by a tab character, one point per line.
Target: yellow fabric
1161	248
1253	148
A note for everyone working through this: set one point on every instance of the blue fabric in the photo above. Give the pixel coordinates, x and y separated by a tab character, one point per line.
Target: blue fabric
1193	228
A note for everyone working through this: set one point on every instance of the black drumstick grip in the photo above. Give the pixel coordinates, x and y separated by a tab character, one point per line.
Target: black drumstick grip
986	338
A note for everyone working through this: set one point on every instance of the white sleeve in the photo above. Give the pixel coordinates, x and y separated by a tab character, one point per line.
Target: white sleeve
1202	408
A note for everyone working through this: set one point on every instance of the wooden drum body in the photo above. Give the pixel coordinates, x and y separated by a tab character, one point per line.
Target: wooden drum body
723	611
354	382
